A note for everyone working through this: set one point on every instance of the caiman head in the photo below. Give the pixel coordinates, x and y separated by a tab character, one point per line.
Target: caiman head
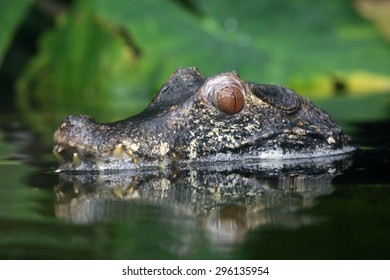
195	118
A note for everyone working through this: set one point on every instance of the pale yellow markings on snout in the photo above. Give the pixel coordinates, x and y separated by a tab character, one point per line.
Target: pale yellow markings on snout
192	149
130	147
250	128
230	138
216	130
160	150
164	148
134	147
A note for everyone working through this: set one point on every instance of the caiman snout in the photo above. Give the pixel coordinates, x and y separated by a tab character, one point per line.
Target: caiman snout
73	139
82	144
73	129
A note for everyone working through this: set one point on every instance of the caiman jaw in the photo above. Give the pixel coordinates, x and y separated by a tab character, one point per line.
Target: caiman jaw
68	155
75	148
72	158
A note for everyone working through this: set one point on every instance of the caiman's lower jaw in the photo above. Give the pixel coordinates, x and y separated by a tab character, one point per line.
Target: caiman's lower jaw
73	158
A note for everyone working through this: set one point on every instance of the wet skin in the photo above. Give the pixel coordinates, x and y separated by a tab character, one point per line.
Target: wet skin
195	118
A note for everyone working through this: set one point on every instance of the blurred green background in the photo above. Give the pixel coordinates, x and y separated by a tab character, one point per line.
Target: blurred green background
108	58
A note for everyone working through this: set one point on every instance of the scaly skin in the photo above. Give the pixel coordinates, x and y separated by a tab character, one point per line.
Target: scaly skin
194	118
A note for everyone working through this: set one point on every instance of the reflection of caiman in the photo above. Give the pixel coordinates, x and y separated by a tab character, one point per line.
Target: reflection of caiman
224	200
194	118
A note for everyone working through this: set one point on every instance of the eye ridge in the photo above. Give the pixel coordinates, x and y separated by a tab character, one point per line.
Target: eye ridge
230	100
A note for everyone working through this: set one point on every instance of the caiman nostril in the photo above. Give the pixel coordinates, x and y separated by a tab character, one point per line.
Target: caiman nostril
79	120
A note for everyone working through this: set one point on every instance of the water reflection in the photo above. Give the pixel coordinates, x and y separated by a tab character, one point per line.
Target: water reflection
220	201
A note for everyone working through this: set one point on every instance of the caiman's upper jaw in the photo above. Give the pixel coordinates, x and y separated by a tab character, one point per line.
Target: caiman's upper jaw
80	145
69	139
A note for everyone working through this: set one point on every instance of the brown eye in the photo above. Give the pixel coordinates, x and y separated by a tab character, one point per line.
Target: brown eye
230	100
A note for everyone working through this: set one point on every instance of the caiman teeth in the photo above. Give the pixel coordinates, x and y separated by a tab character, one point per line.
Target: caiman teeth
59	148
118	151
76	160
100	164
58	155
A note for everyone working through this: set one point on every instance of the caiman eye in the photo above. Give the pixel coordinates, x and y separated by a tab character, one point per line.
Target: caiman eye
230	100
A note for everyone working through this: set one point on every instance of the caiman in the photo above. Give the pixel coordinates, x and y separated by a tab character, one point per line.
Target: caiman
198	119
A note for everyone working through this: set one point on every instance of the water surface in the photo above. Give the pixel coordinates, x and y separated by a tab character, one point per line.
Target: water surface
335	208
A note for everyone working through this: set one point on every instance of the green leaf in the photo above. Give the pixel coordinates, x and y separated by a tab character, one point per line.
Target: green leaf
11	14
293	42
81	63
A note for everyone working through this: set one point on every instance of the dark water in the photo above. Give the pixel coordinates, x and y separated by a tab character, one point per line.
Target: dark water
337	208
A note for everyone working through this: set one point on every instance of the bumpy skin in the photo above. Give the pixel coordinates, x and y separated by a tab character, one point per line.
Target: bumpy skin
185	122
